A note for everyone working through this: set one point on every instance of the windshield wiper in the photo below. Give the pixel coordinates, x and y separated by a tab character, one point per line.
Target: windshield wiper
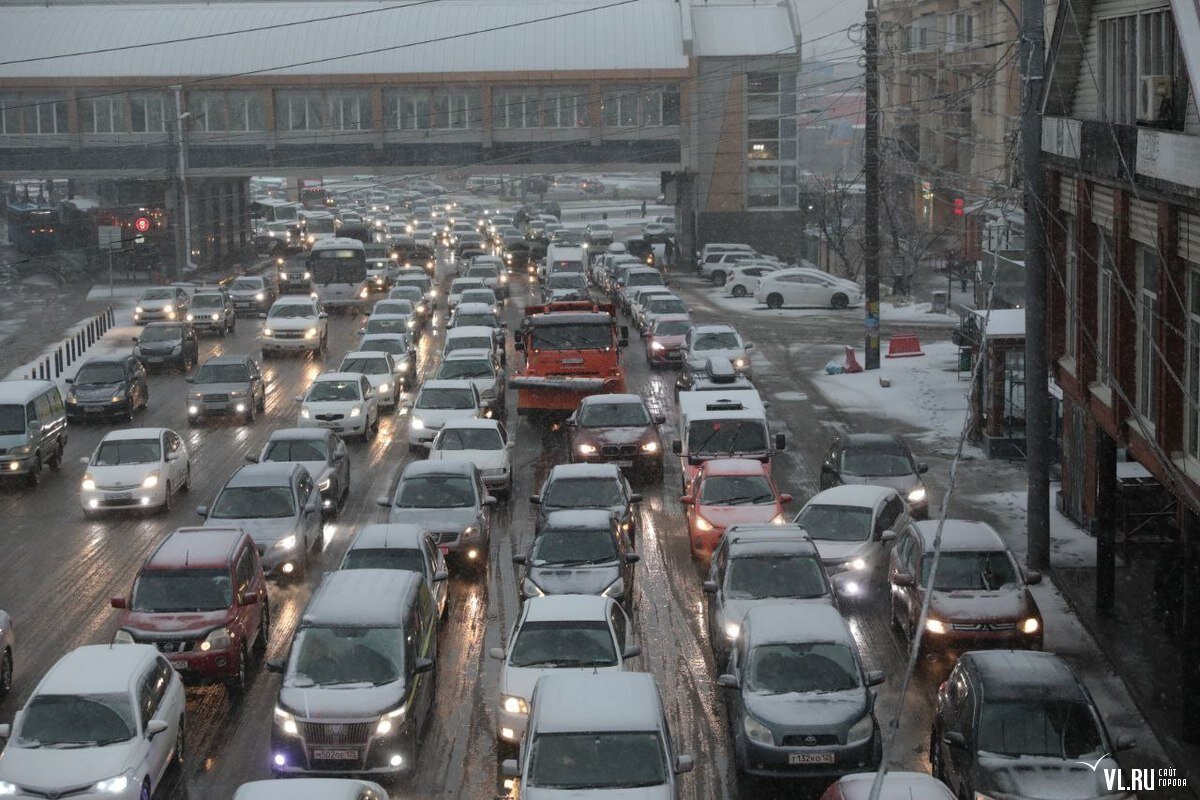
735	501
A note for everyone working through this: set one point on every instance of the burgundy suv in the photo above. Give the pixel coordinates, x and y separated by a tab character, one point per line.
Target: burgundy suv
201	599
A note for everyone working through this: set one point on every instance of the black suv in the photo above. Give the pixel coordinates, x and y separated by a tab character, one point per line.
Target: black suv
212	310
1004	707
167	344
107	386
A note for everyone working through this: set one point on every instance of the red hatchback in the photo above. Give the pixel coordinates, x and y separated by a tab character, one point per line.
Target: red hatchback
729	491
201	599
664	341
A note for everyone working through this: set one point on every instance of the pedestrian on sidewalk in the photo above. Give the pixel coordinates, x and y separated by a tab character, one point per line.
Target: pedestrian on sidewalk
643	209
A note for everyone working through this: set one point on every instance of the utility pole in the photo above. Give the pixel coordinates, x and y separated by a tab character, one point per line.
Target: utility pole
181	117
871	200
1037	387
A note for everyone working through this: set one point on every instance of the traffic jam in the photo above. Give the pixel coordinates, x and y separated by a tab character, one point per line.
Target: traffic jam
454	500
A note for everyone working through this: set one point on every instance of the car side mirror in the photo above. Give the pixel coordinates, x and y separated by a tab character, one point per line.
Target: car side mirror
887	536
632	651
780	441
134	338
902	579
1123	743
748	346
497	653
251	458
311	508
69	380
370	394
323	315
686	499
785	498
5	731
490	500
728	681
632	558
709	587
262	316
684	764
276	665
201	511
173	456
876	677
85	460
511	445
384	501
299	398
362	330
509	768
423	665
118	602
440	575
955	739
922	469
677	447
1032	578
154	727
535	500
519	560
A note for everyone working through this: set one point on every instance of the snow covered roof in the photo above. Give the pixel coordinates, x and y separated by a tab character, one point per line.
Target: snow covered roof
473	423
1005	323
566	607
766	529
358	38
307	789
468	331
743	30
601	471
743	544
896	786
1024	675
612	398
297	434
384	535
196	547
961	534
362	597
272	473
570	701
734	466
97	669
415	468
126	434
862	495
784	622
578	518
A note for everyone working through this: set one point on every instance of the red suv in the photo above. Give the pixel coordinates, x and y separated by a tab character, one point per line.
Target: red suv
201	599
729	491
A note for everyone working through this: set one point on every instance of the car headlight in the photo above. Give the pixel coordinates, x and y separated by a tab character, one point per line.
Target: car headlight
311	333
151	480
388	721
286	543
650	447
421	308
283	276
861	730
916	495
217	640
169	309
354	412
417	424
856	564
72	399
513	704
286	722
587	449
779	519
615	590
384	388
364	293
702	524
304	412
531	589
268	332
656	346
756	731
89	484
118	395
260	296
123	636
1031	625
112	785
936	626
740	363
411	323
324	485
732	629
307	275
139	310
192	318
404	366
216	316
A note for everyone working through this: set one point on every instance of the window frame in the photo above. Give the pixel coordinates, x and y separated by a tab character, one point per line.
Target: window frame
1146	349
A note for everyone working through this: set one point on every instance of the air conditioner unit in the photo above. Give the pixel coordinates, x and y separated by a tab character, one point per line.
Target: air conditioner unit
1155	90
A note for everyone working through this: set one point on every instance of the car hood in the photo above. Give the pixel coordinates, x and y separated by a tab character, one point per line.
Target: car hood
735	610
13	440
158	347
612	435
724	516
96	391
192	622
220	388
65	769
341	702
155	305
437	417
640	793
1006	604
901	483
483	459
670	341
441	519
122	474
583	579
519	681
699	359
803	712
252	294
831	551
1042	778
290	323
262	531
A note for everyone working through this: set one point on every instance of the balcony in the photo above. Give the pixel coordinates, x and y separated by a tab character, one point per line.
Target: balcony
923	60
956	123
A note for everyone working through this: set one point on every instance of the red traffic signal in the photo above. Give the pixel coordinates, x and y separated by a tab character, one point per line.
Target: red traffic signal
959	206
142	224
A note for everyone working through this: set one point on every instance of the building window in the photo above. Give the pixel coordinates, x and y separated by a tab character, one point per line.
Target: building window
406	109
32	114
103	114
516	108
762	187
1192	414
962	30
564	108
650	107
1147	309
226	111
146	113
1104	308
1071	286
1132	48
771	146
455	109
350	110
923	32
299	111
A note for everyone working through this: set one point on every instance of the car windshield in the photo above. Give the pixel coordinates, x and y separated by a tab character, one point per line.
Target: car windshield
470	439
877	463
572	337
644	279
971	571
667	305
166	591
436	491
1045	727
385	558
367	366
296	450
387	325
482	272
574	643
565	547
247	284
293	311
95	372
254	502
485	320
12	420
332	391
736	490
712	437
412	294
454	343
434	398
208	301
161	333
70	721
464	368
458	287
567	280
392	344
672	327
584	761
801	667
115	452
223	373
403	307
347	657
759	577
613	415
583	493
720	340
158	294
479	296
836	523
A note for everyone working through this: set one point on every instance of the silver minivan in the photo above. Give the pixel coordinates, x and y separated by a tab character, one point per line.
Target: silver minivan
33	429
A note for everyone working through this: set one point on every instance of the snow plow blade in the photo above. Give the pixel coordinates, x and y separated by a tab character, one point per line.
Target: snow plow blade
558	384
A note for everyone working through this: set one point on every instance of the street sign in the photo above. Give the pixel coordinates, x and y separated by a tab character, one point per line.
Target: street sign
109	237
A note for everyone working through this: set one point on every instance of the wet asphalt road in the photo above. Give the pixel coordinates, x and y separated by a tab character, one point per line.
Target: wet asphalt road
60	570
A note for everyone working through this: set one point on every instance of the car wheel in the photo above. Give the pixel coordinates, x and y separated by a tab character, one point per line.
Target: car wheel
180	747
774	300
235	687
35	474
6	673
250	413
895	619
145	793
739	291
56	459
839	301
936	765
718	277
264	631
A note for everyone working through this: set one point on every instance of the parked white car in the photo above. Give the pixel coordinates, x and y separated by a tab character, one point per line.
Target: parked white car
743	279
483	442
295	323
344	402
92	729
802	287
135	468
380	369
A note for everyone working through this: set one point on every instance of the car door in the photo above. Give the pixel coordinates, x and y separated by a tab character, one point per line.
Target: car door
619	624
830	476
258	387
910	563
340	458
175	464
435	562
310	521
151	692
958	761
716	574
138	373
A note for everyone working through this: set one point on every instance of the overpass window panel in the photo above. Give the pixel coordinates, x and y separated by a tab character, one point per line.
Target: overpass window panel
651	102
670	107
350	111
516	108
407	110
564	107
208	111
456	108
763	138
621	108
301	111
104	114
146	112
9	116
246	111
32	115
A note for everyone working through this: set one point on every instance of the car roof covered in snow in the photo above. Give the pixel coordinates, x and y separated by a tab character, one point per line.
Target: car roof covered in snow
389	535
859	495
362	598
344	377
126	434
594	471
97	669
298	434
596	399
447	383
749	545
272	473
574	518
365	354
766	529
472	423
469	331
778	623
568	701
734	466
417	468
196	547
875	442
896	786
1023	675
475	308
567	607
961	534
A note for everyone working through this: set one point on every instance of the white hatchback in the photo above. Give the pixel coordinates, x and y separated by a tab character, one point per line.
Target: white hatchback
344	402
439	402
803	287
483	442
135	468
380	369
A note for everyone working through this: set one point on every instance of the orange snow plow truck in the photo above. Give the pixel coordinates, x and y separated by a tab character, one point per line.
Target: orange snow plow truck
572	349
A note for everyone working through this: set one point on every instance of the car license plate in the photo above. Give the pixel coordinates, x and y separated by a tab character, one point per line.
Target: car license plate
155	359
178	663
328	424
330	754
810	758
214	406
122	497
625	463
443	549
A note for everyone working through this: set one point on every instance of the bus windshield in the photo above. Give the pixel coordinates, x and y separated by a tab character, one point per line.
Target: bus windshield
338	266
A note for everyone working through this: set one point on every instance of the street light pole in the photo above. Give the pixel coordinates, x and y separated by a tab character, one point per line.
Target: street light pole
871	198
182	116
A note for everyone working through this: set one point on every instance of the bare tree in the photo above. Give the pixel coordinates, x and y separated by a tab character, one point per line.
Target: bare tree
838	216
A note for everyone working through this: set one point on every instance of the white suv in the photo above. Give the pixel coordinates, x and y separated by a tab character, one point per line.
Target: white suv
343	402
295	324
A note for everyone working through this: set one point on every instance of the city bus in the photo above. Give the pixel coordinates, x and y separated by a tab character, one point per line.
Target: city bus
338	267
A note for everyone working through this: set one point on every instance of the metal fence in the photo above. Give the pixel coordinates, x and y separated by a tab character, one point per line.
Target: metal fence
72	349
